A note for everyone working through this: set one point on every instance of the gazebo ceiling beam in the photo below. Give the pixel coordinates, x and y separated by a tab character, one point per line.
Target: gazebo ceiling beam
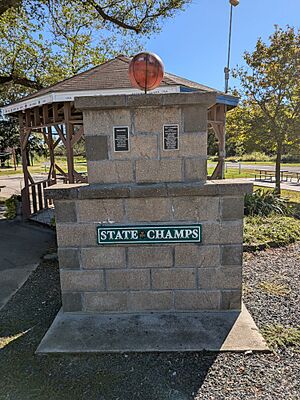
48	115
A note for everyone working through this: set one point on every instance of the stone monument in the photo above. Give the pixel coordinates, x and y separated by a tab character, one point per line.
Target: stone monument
150	252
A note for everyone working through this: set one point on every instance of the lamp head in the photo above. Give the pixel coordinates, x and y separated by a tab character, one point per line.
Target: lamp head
234	3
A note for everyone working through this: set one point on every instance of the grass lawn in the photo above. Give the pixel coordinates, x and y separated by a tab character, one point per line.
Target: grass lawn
42	166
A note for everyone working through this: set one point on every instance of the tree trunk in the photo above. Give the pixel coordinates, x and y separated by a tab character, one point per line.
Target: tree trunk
277	169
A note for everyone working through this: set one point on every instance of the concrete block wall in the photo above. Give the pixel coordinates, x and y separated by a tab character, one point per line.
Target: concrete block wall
149	186
147	161
154	278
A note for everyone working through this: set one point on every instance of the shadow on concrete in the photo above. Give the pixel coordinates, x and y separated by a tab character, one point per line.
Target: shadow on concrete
21	247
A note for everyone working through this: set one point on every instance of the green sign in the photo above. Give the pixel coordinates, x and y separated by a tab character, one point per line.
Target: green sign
110	234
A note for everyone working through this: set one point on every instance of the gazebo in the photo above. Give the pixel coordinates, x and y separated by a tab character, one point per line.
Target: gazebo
51	111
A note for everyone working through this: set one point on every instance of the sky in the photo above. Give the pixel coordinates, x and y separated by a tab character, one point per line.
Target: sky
194	43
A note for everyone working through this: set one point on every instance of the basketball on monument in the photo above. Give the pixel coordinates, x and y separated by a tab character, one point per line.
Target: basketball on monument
146	71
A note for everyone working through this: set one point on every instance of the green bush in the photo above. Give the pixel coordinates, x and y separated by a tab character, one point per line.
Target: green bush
272	231
11	205
290	158
264	203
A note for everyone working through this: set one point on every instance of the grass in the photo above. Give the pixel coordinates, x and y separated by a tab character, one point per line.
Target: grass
279	336
42	166
6	340
272	231
275	288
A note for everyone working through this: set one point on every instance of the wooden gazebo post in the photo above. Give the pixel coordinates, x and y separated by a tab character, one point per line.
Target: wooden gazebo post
217	120
62	117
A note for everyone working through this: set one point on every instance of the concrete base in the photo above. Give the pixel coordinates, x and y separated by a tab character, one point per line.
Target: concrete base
212	331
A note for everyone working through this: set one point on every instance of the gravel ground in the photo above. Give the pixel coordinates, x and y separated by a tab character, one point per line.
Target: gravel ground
165	376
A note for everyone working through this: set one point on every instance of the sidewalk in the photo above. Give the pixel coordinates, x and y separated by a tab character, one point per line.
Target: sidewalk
21	247
285	186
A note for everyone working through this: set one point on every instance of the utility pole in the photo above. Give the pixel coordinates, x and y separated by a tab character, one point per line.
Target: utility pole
233	3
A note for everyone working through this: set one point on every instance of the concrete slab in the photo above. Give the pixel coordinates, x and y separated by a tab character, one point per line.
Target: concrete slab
21	247
212	331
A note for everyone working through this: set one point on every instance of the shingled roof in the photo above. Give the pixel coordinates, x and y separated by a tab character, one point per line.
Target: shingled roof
111	75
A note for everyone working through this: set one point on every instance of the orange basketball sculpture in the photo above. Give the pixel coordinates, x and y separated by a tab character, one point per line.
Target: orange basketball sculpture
146	71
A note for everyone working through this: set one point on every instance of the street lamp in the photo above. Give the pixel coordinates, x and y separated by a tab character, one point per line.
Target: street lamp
233	3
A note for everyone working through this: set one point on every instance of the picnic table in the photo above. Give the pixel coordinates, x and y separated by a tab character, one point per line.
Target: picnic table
293	174
268	175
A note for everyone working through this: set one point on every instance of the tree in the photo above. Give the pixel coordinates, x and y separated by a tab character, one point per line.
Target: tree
270	85
44	41
9	138
134	15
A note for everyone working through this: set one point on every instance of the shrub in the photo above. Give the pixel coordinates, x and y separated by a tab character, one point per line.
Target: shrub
264	203
290	158
273	231
256	156
11	205
281	336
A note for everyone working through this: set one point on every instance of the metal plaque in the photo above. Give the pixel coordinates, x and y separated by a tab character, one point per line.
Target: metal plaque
110	234
121	138
171	137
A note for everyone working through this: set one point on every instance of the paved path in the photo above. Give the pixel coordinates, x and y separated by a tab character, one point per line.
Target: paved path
21	247
14	183
285	186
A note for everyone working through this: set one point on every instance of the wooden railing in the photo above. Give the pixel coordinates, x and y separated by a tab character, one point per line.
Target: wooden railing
33	197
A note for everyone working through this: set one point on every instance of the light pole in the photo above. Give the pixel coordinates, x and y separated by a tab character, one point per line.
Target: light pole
233	3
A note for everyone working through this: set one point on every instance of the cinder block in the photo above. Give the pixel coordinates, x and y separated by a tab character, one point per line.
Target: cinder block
74	281
158	171
231	299
96	148
71	302
76	235
100	210
150	256
220	278
211	233
192	208
188	255
69	258
173	278
141	146
232	208
151	120
101	122
65	211
128	279
105	301
148	209
103	257
195	118
232	255
190	300
231	232
190	145
195	169
150	301
110	171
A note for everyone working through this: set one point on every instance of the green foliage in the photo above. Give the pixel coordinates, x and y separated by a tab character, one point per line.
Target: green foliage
281	336
9	135
275	288
11	207
43	42
290	158
265	202
273	231
268	118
